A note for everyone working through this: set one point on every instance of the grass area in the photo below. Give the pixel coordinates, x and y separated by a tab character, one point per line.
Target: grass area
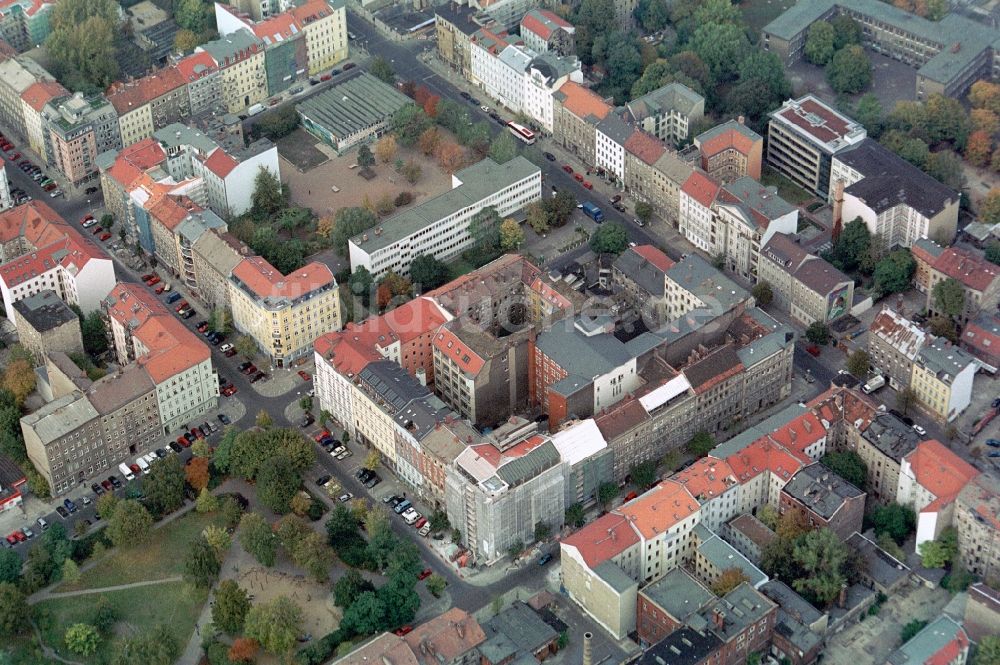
175	604
758	13
460	267
787	189
163	556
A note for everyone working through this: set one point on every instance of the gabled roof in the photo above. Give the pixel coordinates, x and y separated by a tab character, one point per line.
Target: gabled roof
603	539
447	637
660	509
450	346
220	163
701	188
196	65
941	642
761	204
582	102
543	23
898	332
820	276
127	97
729	135
706	478
972	270
982	334
41	93
265	281
645	147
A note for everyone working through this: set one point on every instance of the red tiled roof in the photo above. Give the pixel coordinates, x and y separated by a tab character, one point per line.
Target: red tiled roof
55	243
127	97
346	351
496	458
603	539
949	653
701	188
283	26
446	638
171	210
982	334
39	94
220	163
196	65
454	348
707	478
940	471
972	270
533	22
766	455
622	417
657	258
660	508
645	147
582	102
800	433
265	281
730	139
833	125
837	404
310	11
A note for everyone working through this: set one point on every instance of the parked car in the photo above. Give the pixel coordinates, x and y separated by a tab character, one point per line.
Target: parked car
107	236
226	347
373	481
307	420
568	169
403	630
305	375
117	484
42	524
549	156
419	524
544	559
993	443
425	530
345	497
63	513
70	506
224	419
919	430
96	489
202	326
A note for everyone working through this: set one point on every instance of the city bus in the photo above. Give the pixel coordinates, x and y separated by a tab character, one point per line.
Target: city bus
522	133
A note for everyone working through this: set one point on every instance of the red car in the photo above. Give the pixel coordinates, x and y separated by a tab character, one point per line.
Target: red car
404	630
154	281
424	574
16	156
567	168
230	353
325	77
587	185
305	375
349	65
49	187
181	305
182	441
86	218
97	230
12	539
135	469
323	434
19	535
104	236
420	523
578	177
229	390
161	288
106	484
813	350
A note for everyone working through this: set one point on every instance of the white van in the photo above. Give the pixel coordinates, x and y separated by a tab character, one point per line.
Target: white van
143	464
255	109
126	471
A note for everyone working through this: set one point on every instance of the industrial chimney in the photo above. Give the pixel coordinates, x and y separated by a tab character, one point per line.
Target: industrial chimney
838	208
587	657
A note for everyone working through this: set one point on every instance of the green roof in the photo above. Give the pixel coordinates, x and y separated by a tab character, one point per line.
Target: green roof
353	105
952	29
478	182
521	469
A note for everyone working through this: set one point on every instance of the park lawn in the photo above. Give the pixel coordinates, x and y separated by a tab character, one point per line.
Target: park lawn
175	604
161	557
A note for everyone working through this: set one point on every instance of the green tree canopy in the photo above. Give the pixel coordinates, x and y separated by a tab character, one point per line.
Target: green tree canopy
269	196
609	238
258	539
822	557
382	70
761	86
894	272
275	625
277	483
722	47
82	639
410	121
852	245
10	566
849	466
230	608
820	41
818	332
762	293
988	651
849	71
644	474
349	588
858	364
13	618
940	552
201	565
130	524
701	444
846	31
164	486
428	272
894	520
503	149
949	297
155	647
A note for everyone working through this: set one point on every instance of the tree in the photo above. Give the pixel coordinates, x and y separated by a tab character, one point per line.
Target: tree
408	123
913	150
277	483
945	119
846	31
206	502
382	70
243	650
230	608
905	398
949	297
852	245
869	112
191	15
729	579
450	156
538	217
858	364
819	46
196	473
818	333
988	651
10	566
652	15
185	41
263	419
428	141
511	235
762	293
623	65
606	493
13	618
701	444
720	46
428	271
219	539
94	333
268	196
911	629
164	486
275	625
246	347
70	571
258	539
609	238
849	71
989	207
848	465
349	588
82	639
542	531
893	520
155	647
82	44
979	148
503	149
201	565
644	211
894	272
130	524
366	615
946	167
386	148
19	378
644	474
104	615
822	556
366	159
940	552
313	555
575	515
436	585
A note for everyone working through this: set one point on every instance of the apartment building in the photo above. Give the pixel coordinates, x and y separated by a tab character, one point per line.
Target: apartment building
640	274
240	56
802	138
639	542
149	103
981	338
898	202
576	113
665	605
496	496
733	220
730	151
977	276
544	32
383	391
882	446
41	252
203	78
283	313
64	441
942	379
177	361
655	174
930	479
17	75
825	500
893	345
976	511
804	285
667	112
5	198
33	101
24	24
439	227
454	25
214	256
325	27
949	55
612	133
45	324
79	129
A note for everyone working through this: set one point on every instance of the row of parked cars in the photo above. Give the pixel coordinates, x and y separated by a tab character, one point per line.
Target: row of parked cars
402	507
34	172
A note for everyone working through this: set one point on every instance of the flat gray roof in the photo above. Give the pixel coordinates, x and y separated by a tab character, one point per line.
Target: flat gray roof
478	182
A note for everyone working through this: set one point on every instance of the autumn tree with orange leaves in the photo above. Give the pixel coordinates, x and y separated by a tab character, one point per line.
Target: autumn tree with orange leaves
450	156
244	650
978	148
196	472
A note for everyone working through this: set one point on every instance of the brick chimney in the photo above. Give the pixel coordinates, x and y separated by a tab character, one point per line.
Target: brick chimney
587	656
838	209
